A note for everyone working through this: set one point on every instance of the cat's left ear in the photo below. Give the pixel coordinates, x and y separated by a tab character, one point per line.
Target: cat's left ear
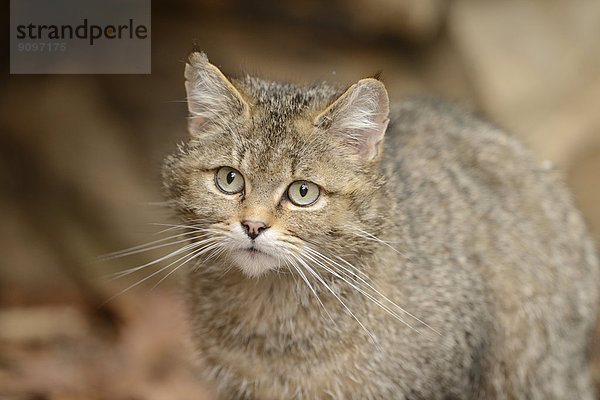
359	117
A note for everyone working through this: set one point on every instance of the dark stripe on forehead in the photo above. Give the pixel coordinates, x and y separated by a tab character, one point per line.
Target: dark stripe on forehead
294	165
239	153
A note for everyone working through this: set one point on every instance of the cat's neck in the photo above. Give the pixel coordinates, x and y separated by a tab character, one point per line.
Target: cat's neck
282	303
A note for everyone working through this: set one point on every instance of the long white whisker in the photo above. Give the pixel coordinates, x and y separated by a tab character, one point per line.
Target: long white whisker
361	291
336	296
195	254
143	247
367	284
221	249
356	270
173	227
192	227
169	203
163	258
146	247
291	259
287	265
375	238
148	277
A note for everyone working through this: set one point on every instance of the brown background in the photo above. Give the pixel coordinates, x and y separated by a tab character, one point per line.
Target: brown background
80	158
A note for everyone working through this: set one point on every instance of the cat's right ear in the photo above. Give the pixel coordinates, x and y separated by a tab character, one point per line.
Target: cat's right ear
211	97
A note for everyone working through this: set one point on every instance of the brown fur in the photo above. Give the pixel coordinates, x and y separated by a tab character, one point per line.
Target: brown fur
448	217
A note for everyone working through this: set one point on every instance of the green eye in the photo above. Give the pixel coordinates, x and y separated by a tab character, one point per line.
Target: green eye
229	180
303	193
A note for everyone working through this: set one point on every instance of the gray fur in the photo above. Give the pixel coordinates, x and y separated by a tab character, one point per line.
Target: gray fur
483	248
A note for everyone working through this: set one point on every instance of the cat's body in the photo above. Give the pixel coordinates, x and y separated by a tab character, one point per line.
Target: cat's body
450	219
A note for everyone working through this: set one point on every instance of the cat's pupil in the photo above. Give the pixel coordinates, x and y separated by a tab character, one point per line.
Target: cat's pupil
230	177
303	189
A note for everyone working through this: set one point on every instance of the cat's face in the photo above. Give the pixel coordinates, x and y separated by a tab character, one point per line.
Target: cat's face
276	177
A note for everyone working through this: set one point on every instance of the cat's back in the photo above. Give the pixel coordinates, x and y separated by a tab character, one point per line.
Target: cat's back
472	200
447	161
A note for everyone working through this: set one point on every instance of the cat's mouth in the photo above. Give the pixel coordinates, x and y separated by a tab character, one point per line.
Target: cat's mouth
255	262
253	251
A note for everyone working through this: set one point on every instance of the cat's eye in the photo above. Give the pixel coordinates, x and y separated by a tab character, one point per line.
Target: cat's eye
303	193
229	180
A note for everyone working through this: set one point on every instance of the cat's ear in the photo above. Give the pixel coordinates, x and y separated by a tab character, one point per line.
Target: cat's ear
211	97
359	117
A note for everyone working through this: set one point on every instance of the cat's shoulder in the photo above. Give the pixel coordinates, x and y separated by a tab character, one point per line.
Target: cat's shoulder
451	130
437	116
442	137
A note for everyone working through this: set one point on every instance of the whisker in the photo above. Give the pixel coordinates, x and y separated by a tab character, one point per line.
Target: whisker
148	277
194	254
290	257
357	271
146	247
192	227
173	227
287	265
169	203
163	258
376	239
165	230
220	250
362	291
226	270
368	285
299	258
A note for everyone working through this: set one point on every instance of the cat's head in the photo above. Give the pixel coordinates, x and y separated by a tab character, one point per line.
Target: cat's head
279	176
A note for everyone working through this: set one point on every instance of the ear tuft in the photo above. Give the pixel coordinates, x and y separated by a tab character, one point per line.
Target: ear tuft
195	61
359	117
211	97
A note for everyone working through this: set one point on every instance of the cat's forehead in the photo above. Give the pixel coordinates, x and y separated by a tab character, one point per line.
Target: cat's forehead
284	153
280	137
286	99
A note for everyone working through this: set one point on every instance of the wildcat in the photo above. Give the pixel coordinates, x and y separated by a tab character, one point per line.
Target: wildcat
346	249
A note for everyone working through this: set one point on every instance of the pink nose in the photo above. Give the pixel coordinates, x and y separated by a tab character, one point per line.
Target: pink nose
254	228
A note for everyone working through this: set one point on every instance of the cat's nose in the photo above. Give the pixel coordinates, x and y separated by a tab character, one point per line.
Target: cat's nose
254	228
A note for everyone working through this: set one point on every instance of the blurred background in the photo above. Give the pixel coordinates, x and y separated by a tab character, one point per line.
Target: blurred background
80	158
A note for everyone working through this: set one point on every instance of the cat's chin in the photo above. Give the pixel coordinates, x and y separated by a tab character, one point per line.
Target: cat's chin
255	263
